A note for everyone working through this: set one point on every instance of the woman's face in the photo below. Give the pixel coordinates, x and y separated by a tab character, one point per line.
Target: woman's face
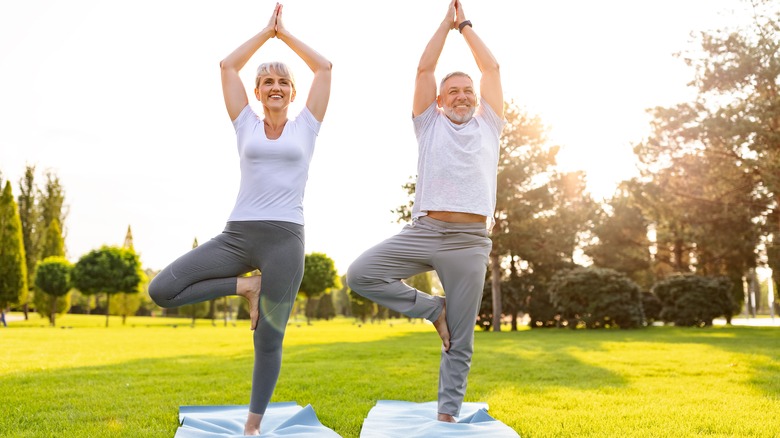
274	91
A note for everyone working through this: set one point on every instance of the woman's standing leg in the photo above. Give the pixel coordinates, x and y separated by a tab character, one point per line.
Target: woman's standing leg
279	252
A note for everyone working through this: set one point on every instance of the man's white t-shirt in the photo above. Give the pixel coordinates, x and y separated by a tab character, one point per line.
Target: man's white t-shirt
457	164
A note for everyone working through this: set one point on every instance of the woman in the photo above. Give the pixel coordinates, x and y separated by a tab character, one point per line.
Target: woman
265	230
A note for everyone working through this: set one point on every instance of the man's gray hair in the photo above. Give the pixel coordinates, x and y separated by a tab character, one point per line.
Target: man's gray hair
455	73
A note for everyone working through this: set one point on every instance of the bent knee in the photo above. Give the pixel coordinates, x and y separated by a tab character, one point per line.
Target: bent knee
354	278
358	281
159	293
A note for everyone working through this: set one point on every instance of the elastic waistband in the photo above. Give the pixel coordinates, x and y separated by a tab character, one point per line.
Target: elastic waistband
450	227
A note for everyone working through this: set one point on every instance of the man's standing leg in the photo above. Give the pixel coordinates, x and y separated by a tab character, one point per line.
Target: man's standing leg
461	265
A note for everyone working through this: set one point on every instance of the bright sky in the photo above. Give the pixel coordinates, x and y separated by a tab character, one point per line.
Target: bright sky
122	100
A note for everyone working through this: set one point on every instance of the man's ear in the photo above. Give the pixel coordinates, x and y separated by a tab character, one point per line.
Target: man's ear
439	102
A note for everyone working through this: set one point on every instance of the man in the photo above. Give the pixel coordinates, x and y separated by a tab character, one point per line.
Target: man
455	198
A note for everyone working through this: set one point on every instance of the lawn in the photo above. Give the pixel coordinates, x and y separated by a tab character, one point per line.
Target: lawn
82	379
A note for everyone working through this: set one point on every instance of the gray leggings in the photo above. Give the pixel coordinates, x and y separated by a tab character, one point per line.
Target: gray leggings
459	255
211	271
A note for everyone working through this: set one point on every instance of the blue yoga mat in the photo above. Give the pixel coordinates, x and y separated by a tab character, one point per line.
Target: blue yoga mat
402	419
283	419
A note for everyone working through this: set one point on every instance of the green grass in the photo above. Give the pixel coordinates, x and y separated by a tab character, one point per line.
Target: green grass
87	380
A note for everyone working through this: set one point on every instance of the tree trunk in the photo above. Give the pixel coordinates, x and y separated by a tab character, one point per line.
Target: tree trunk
678	256
108	306
495	287
225	309
53	311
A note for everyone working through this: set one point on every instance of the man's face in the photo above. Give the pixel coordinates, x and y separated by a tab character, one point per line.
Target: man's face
457	99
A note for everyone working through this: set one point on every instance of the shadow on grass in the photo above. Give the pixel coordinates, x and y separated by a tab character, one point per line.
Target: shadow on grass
544	357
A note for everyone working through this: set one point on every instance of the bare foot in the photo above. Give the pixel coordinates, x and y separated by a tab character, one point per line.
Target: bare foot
441	327
252	426
249	288
447	418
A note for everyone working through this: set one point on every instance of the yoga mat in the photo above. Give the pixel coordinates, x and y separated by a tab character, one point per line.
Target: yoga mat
282	419
403	419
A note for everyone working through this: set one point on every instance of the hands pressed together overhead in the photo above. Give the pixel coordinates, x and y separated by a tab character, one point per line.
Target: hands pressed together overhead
455	14
275	22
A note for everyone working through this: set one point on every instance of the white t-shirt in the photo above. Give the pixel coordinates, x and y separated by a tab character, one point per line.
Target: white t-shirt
457	164
273	172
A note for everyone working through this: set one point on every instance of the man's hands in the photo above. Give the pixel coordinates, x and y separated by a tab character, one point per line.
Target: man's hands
455	15
460	16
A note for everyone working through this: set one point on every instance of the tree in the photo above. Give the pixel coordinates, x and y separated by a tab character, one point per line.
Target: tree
361	308
109	270
38	209
52	277
127	304
325	308
32	235
341	301
540	213
714	163
13	269
53	246
319	275
622	243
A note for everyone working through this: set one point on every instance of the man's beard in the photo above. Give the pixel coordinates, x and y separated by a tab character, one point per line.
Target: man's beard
450	112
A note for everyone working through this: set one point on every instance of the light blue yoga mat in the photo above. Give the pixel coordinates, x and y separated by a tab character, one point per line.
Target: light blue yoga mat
402	419
283	419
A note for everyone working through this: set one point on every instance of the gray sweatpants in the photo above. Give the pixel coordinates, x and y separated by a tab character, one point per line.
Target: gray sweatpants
211	271
459	255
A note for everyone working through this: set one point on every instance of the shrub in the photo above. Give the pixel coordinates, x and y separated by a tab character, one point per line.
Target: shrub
597	298
693	300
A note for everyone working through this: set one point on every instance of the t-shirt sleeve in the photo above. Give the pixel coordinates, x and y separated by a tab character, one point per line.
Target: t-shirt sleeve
425	119
308	120
493	120
246	114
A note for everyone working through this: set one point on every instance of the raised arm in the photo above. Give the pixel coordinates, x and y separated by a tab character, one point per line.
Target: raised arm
319	93
232	88
425	83
490	84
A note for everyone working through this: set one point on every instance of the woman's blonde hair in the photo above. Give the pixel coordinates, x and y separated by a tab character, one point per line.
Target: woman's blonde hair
276	67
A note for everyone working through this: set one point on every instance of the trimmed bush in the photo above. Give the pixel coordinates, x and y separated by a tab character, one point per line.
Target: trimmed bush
693	300
597	298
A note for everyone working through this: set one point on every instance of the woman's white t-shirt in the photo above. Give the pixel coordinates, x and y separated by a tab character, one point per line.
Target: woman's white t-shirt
273	172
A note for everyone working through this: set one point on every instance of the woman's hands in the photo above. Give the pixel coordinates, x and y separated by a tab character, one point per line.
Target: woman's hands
275	22
272	22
